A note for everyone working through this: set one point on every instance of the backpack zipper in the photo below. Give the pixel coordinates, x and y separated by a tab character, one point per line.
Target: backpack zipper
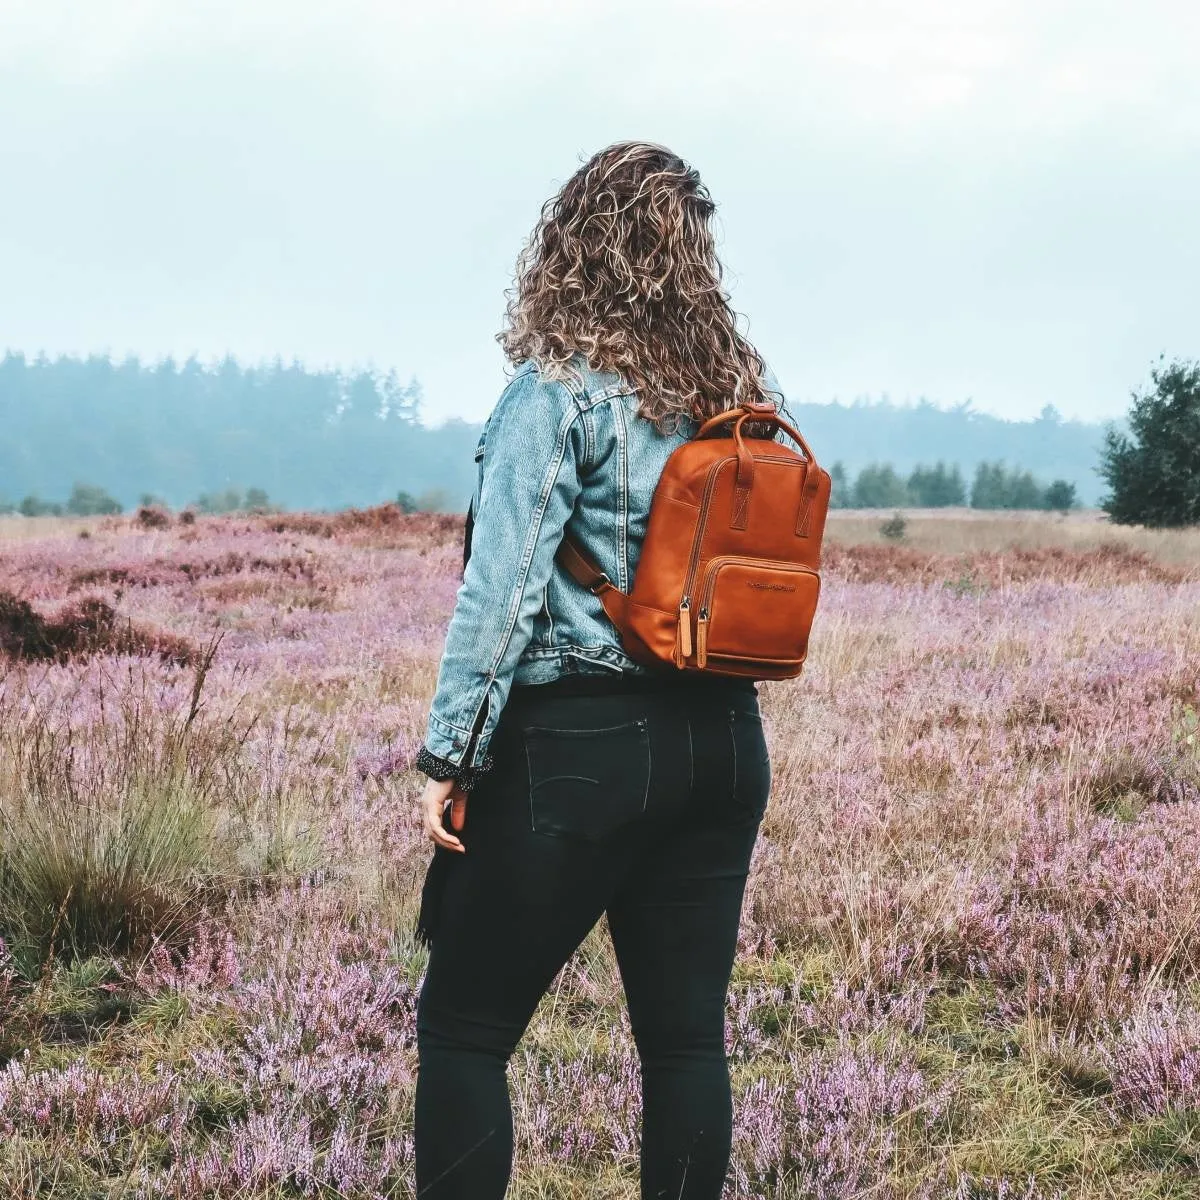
685	602
685	629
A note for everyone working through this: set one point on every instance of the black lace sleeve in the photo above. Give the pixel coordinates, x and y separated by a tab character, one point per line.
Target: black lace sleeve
440	768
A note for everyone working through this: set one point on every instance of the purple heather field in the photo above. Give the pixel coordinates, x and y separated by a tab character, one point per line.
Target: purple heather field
970	956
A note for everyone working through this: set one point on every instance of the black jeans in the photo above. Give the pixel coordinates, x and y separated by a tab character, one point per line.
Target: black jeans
641	806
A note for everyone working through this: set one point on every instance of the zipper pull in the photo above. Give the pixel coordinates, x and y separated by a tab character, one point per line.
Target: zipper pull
685	629
702	638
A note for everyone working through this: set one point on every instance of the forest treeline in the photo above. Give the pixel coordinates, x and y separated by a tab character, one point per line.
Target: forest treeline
76	430
994	485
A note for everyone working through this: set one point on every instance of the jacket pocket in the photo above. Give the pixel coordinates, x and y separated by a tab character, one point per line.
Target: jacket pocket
587	783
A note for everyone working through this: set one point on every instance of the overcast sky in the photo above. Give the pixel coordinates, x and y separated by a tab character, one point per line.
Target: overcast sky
998	201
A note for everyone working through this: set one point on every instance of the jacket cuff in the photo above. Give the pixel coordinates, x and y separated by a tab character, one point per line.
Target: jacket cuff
441	769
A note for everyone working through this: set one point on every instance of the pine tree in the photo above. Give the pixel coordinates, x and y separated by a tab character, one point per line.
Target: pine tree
1154	471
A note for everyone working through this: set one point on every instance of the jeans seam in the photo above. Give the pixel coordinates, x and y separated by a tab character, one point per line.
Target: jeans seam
733	743
691	759
529	790
649	762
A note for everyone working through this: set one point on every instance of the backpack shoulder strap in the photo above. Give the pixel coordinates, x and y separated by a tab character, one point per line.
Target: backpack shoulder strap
582	568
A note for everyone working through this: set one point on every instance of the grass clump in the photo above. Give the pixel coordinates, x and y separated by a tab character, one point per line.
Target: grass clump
114	829
78	877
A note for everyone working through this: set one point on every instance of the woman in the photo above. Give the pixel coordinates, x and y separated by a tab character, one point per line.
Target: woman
597	786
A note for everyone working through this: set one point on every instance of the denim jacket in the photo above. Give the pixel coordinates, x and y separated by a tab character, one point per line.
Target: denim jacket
553	455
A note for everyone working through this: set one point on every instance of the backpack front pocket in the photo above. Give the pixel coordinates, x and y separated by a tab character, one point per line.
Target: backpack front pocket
586	783
755	611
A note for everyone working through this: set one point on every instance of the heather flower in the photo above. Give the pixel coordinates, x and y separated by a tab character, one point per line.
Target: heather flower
831	1127
79	1101
978	787
1084	915
1154	1061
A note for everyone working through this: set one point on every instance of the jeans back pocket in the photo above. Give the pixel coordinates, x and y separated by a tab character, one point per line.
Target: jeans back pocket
751	762
587	783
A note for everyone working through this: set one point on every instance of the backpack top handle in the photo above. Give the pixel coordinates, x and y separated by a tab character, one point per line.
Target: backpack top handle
757	410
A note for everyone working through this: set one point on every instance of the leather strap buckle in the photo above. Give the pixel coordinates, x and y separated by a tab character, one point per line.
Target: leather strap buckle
759	408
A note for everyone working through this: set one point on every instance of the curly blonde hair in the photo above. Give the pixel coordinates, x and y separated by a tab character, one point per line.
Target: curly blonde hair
622	268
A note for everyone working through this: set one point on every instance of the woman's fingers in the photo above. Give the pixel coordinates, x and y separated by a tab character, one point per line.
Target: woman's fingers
433	801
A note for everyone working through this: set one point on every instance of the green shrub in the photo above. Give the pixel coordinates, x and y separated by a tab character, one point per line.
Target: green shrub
435	500
1059	496
841	492
34	506
1153	471
994	486
937	486
88	500
228	501
234	500
878	486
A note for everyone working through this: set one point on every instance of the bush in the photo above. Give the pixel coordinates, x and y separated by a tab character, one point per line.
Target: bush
995	486
234	500
88	500
435	500
32	506
937	487
988	489
878	486
85	626
1024	491
841	493
1153	472
230	500
256	500
893	528
1059	496
152	516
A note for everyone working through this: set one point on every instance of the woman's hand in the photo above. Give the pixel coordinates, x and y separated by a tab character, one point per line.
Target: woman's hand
433	809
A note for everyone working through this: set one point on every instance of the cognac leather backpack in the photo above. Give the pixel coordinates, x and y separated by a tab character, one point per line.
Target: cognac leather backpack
728	577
